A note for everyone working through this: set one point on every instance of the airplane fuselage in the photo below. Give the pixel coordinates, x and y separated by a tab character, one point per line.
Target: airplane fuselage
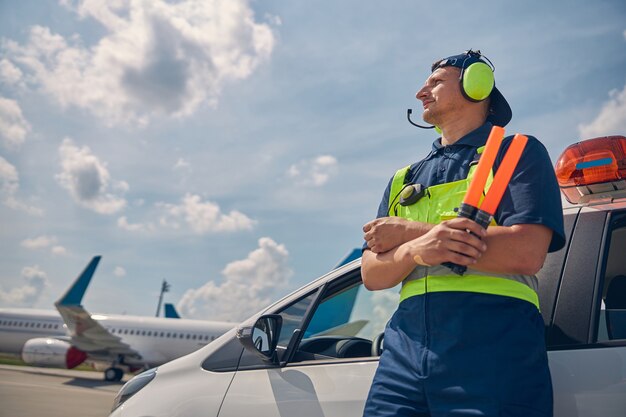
17	326
157	340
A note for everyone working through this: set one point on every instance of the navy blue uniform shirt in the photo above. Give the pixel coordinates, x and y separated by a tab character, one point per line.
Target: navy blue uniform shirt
532	197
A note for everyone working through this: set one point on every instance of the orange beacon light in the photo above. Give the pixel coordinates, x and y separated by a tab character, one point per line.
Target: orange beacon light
593	168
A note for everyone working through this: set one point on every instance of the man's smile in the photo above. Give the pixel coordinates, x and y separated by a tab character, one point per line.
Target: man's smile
425	103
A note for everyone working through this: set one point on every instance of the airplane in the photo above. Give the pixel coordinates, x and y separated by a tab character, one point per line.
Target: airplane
112	343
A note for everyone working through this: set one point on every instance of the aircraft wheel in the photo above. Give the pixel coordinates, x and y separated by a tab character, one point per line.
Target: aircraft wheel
113	374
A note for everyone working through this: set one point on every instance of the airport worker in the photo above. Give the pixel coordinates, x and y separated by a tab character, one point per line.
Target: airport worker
470	344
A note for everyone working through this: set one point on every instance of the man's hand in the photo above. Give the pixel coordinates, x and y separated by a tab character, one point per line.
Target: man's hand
449	241
385	233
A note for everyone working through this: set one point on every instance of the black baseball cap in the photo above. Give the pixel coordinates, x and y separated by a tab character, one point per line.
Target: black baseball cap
500	112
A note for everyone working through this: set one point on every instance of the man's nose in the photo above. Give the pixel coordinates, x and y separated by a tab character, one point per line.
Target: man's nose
421	94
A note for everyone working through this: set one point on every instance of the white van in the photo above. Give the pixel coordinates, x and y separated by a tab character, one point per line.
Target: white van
314	353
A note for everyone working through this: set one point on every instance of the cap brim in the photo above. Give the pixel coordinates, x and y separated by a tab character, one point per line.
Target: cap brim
501	113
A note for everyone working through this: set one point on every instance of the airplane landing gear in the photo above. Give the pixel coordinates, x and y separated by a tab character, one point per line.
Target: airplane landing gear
113	374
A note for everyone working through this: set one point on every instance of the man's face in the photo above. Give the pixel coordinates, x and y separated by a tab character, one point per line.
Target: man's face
441	95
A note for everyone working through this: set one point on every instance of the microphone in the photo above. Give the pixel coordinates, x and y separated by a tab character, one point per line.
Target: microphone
408	117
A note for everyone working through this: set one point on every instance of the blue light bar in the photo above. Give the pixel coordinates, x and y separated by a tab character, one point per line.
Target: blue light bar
594	164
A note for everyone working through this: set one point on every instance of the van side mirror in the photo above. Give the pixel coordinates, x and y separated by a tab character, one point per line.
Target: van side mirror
262	338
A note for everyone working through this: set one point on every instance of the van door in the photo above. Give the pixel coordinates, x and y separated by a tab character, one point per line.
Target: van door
587	346
330	370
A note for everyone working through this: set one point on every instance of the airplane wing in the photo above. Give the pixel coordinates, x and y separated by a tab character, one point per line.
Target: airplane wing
347	329
86	333
90	336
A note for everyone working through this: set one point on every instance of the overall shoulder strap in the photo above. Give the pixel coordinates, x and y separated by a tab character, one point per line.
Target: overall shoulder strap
397	184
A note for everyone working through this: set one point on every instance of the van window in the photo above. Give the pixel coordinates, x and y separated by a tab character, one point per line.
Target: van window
293	315
612	318
347	323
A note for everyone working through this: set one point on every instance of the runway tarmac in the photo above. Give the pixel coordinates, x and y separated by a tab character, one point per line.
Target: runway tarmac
28	392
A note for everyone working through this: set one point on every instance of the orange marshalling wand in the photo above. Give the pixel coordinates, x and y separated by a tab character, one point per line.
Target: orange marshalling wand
504	174
469	208
476	187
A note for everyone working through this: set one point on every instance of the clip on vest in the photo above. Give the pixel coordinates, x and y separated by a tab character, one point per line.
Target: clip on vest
411	193
470	207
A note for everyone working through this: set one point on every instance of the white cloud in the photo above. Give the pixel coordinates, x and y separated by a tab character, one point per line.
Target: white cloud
123	224
182	165
203	217
39	242
276	20
191	215
249	285
88	179
155	58
58	250
121	186
9	73
44	242
611	120
119	272
385	303
13	125
9	177
314	172
9	186
28	294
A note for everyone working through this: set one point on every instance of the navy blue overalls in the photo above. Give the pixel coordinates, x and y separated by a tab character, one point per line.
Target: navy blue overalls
470	345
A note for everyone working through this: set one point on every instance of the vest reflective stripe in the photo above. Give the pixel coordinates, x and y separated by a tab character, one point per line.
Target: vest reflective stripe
439	270
471	281
436	206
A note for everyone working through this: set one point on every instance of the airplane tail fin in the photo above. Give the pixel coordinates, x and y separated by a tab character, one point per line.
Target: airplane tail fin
350	256
333	312
336	313
170	311
74	295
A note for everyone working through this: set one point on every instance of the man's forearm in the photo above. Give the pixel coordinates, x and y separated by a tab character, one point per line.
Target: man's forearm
449	241
385	270
518	249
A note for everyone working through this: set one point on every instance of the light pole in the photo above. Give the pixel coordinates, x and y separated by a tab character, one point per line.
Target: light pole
165	287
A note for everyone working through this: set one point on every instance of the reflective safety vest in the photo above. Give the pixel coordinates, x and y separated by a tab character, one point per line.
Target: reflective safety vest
438	204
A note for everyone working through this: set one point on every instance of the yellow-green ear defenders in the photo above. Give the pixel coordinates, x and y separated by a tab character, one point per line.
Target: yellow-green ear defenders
477	80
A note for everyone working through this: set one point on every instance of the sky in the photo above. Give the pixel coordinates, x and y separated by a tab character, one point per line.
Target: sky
235	148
